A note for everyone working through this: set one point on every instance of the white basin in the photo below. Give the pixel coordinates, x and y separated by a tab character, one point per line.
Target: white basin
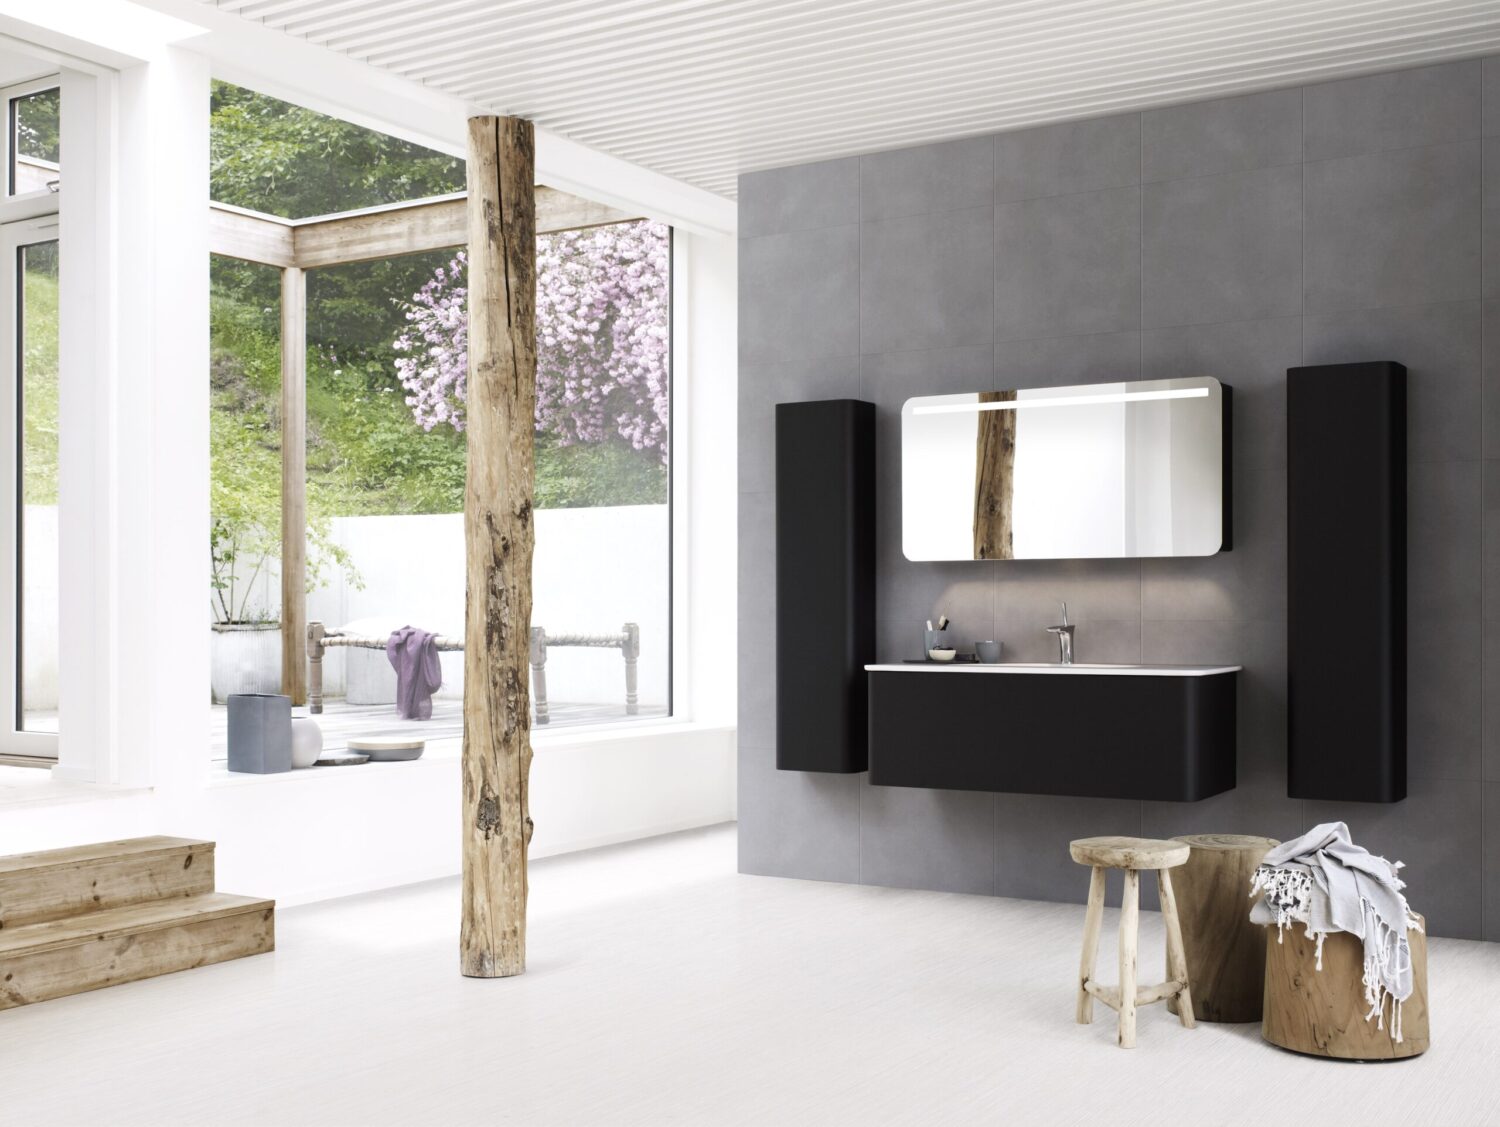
1078	669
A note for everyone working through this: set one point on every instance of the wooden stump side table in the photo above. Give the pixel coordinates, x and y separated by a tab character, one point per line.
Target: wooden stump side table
1226	954
1131	854
1322	1012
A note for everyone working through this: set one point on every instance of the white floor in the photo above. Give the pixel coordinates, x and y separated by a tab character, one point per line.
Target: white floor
665	989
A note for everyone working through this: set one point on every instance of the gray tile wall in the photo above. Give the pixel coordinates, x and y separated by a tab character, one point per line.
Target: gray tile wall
1347	221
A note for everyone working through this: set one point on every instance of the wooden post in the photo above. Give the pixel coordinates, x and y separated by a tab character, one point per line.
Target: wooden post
1177	964
632	651
1130	915
539	672
315	633
995	480
498	541
1092	918
1226	954
294	484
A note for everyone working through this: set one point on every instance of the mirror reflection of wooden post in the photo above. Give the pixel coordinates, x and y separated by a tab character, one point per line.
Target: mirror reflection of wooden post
498	538
995	480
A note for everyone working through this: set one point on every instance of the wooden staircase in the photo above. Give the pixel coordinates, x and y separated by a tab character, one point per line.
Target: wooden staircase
98	915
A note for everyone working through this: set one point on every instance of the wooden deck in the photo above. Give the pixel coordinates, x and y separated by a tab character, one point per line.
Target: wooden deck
341	722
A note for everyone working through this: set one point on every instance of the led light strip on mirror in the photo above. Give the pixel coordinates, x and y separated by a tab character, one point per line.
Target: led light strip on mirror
1062	401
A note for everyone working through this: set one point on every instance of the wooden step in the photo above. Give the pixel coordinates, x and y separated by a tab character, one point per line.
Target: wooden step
68	956
35	887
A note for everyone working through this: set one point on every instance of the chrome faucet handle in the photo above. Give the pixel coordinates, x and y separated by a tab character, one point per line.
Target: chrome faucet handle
1064	634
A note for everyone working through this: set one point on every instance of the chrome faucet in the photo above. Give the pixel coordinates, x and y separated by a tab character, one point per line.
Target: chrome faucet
1064	638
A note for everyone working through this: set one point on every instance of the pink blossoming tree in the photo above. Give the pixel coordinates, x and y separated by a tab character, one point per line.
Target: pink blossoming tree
602	339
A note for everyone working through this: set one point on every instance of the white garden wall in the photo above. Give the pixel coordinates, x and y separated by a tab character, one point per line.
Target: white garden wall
595	570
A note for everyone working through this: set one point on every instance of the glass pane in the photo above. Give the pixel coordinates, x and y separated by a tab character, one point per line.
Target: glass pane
244	590
35	148
603	445
386	458
37	355
385	499
601	578
282	159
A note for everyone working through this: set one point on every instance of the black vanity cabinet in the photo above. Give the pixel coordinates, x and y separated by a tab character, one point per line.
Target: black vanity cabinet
1131	732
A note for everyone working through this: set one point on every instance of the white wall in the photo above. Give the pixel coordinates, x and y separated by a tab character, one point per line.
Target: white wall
594	570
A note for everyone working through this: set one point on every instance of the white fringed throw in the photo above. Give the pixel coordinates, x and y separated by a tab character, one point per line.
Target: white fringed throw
1327	883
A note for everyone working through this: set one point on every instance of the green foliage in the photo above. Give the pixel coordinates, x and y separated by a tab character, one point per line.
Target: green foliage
39	375
38	117
245	466
281	159
604	473
366	455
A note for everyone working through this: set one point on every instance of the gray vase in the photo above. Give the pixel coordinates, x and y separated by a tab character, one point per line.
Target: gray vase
260	733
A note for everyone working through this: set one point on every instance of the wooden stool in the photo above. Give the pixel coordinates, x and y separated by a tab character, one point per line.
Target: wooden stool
1226	953
1322	1012
1132	854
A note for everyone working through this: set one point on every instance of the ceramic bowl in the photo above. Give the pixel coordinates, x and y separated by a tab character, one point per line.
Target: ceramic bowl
942	654
394	750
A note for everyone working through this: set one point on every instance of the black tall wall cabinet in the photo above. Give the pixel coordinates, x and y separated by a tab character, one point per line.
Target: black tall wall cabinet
825	583
1346	582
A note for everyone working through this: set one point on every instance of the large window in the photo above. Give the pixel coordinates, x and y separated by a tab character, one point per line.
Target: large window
28	481
32	142
385	366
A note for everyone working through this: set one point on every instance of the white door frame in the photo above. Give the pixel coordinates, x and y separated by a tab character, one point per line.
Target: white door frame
14	741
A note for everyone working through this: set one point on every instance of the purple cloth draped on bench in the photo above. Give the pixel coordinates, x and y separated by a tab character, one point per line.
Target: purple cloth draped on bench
419	671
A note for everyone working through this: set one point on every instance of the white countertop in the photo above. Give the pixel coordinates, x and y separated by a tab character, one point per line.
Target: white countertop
1080	669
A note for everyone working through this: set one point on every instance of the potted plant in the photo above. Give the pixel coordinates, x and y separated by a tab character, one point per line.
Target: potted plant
245	653
244	545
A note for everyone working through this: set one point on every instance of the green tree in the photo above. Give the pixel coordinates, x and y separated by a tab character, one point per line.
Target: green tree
38	118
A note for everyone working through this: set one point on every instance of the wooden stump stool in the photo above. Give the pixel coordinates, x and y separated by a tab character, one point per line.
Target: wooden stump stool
1322	1012
1226	953
1132	854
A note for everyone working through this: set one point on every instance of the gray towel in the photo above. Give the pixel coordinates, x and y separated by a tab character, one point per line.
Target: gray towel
419	671
1327	883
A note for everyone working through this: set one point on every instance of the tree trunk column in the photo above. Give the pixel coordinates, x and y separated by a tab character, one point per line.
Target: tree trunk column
498	541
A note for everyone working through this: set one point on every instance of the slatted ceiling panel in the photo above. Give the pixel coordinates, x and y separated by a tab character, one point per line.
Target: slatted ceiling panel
704	90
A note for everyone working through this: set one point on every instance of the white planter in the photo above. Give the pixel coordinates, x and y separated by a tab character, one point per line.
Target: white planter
244	659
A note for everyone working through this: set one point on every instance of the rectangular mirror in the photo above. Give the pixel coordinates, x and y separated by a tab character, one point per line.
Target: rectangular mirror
1095	471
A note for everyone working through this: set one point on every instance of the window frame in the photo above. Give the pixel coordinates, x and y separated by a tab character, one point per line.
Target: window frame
17	746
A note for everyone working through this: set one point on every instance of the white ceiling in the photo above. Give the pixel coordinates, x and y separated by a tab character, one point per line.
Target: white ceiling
703	90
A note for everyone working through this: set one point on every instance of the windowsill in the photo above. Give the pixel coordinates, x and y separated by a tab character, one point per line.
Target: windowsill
26	786
451	748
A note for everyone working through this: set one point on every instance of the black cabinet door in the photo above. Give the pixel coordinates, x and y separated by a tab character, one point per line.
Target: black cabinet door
1346	582
825	582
